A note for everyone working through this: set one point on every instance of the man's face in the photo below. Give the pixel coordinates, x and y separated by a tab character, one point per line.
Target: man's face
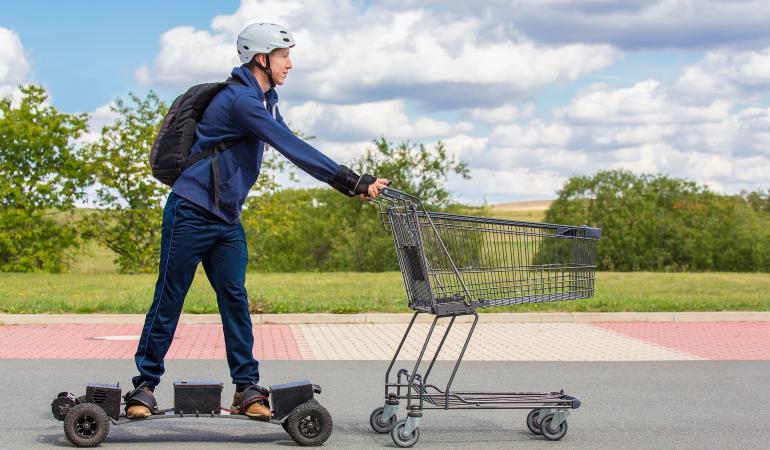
280	64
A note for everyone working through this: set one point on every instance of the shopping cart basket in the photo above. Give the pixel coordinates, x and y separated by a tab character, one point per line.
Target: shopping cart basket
454	264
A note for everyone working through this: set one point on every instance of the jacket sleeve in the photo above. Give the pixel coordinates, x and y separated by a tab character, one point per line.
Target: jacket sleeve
279	118
250	115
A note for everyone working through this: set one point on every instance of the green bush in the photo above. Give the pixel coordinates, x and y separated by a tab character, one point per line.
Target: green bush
664	224
321	230
315	229
44	174
129	222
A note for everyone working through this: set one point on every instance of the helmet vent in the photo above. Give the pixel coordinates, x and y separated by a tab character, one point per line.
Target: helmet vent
283	32
286	40
245	48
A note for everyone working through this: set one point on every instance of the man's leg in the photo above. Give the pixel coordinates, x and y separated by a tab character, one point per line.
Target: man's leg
186	236
225	266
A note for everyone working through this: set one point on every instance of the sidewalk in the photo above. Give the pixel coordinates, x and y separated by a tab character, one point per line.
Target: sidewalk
498	337
576	317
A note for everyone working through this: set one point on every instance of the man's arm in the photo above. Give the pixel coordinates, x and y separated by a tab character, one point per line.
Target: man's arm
279	118
253	118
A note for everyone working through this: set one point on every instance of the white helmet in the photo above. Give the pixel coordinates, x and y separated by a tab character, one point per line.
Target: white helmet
262	38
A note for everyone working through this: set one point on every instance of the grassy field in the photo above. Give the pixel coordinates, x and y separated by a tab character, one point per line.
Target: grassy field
364	292
93	286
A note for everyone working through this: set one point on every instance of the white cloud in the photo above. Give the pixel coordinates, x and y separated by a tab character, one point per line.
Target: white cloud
502	114
367	120
386	68
346	54
645	102
501	185
628	24
727	74
14	67
188	55
100	117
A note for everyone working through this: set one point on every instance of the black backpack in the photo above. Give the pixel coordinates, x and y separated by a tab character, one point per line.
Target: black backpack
170	154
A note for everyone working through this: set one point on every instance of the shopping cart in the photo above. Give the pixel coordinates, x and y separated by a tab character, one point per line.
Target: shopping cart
454	264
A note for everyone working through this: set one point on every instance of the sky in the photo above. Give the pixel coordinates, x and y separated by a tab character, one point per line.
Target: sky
527	92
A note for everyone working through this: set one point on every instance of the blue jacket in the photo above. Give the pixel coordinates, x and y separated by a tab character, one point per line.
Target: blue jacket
239	112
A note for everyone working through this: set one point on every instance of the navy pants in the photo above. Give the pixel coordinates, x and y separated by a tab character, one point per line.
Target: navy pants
191	235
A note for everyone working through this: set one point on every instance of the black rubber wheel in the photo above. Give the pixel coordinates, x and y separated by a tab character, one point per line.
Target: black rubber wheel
397	433
550	433
62	404
310	424
380	426
533	422
86	425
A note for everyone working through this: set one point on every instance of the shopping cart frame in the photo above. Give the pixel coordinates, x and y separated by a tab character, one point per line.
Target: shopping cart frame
549	410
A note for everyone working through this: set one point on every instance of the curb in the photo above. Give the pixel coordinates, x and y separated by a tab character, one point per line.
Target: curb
384	318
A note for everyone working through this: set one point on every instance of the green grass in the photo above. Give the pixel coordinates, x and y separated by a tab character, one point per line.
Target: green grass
364	292
93	286
521	216
95	259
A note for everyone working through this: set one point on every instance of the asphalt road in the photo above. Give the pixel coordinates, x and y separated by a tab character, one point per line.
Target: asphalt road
684	404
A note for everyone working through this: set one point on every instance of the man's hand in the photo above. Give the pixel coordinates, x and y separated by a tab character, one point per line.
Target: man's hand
375	188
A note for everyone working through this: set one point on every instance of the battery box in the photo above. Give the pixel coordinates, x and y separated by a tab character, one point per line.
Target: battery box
197	397
107	396
285	397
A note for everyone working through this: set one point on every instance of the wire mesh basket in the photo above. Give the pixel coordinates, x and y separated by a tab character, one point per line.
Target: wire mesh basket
454	263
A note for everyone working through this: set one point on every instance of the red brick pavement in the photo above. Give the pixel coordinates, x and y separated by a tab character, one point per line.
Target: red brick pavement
708	340
80	341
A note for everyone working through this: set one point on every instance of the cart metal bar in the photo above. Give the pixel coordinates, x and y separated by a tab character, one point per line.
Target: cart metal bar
393	193
419	360
460	358
438	350
398	350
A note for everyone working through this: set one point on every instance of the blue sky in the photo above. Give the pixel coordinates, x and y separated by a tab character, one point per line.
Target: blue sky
528	96
86	52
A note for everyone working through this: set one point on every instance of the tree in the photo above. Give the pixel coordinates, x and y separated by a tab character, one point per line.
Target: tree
319	229
414	169
660	223
130	222
44	174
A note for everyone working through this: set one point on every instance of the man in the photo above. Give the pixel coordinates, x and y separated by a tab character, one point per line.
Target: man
201	219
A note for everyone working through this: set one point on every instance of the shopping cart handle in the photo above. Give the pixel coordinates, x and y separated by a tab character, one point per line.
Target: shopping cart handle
395	194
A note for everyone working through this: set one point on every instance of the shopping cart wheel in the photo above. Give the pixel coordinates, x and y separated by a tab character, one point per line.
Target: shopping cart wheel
381	426
550	433
533	422
402	440
86	425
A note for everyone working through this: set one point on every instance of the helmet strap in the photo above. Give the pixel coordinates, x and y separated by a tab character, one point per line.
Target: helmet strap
266	69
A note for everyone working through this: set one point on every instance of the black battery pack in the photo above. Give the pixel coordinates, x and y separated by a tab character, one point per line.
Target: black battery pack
197	397
285	397
105	395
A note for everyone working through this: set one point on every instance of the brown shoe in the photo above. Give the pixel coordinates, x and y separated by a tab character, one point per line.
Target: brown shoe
138	412
253	402
140	402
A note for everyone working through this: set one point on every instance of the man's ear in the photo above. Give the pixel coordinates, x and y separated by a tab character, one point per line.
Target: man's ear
262	59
